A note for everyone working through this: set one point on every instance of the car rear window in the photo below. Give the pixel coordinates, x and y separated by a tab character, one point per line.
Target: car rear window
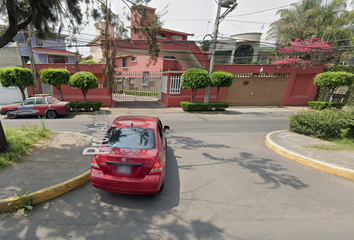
54	100
132	138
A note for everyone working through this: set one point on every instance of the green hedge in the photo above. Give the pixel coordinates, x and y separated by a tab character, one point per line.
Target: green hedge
138	93
85	106
197	106
318	105
324	124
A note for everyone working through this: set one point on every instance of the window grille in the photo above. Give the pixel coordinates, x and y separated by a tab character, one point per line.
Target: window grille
175	87
145	77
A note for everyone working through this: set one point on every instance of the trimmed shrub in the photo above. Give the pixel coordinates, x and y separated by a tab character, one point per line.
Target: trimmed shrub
324	124
221	79
188	106
141	93
16	77
85	106
195	79
89	62
84	81
318	105
55	77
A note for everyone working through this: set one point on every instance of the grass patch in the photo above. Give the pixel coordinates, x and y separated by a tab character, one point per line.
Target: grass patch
21	140
344	143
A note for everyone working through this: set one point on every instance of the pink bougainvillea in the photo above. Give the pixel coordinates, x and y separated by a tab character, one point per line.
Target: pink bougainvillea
304	53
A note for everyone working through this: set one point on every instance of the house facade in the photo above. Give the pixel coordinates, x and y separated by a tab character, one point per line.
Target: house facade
50	50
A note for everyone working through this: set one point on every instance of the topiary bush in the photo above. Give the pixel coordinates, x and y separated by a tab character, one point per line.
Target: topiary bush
195	79
84	81
188	106
55	77
16	77
89	62
333	80
323	124
221	79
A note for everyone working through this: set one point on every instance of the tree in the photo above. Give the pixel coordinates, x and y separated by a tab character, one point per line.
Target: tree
221	79
16	77
304	53
333	80
84	81
55	77
195	79
328	20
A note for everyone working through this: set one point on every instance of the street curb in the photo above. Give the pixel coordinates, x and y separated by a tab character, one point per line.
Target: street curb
297	108
325	167
48	193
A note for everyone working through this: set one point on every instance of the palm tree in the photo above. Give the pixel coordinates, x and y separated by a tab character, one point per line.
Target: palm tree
325	19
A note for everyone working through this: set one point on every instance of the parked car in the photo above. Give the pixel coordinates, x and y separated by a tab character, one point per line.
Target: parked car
133	157
37	105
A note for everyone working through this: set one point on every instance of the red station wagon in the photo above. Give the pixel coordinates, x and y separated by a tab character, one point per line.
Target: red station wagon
38	105
133	159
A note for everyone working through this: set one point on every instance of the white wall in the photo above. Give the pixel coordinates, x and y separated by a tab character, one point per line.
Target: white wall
10	95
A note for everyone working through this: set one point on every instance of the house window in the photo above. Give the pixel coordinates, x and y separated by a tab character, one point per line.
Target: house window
176	37
133	59
175	87
124	62
161	35
25	59
132	80
145	77
57	59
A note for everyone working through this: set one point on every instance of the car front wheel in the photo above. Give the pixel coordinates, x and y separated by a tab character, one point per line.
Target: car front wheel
51	114
11	114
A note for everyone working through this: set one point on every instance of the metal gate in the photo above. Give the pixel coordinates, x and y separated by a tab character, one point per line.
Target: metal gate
137	86
264	89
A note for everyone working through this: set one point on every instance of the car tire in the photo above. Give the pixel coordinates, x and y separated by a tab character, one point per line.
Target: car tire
166	143
11	114
51	114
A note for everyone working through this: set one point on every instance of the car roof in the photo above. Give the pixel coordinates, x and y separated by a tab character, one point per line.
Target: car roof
137	121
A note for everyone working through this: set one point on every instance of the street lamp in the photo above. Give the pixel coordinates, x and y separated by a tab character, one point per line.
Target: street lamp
230	5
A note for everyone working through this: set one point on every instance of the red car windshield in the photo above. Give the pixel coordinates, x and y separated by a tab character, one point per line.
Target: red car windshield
131	138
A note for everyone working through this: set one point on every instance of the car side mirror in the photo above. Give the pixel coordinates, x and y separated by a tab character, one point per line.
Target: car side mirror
166	128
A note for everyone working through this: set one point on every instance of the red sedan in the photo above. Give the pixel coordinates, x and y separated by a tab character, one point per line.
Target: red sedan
38	105
133	157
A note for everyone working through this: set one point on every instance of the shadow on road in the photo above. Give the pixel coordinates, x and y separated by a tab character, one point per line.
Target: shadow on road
166	199
271	172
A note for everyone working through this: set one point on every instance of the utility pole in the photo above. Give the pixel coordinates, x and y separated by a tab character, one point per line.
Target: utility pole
230	5
33	64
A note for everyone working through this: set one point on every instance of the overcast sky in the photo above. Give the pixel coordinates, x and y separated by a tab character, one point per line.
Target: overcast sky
198	17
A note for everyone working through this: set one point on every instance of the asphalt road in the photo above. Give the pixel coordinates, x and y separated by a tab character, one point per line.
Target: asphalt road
222	182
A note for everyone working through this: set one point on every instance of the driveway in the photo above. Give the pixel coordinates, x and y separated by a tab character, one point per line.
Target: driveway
222	182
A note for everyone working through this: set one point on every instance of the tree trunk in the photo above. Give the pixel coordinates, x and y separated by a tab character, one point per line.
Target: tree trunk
4	147
207	93
192	95
84	95
23	94
61	94
217	96
33	63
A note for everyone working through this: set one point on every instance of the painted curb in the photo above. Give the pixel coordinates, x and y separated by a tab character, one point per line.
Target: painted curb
325	167
48	193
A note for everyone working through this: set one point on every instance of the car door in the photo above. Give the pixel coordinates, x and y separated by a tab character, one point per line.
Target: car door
26	107
41	106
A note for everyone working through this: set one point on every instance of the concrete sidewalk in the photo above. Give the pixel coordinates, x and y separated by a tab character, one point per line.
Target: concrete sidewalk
56	166
291	145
